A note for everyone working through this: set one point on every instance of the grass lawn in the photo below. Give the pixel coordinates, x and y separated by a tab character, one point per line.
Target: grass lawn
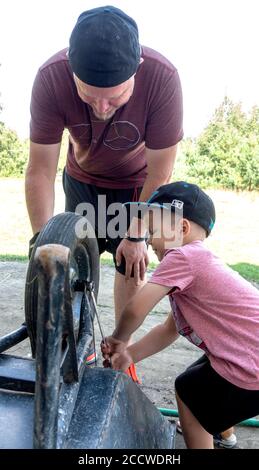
235	237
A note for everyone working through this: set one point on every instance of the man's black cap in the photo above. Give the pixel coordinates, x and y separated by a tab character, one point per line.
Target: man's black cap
186	199
104	48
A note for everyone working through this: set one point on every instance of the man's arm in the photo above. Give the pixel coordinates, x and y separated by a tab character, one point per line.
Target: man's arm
39	183
160	164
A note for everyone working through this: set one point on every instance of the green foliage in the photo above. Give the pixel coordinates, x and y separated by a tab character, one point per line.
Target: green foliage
226	154
181	169
8	257
248	271
13	153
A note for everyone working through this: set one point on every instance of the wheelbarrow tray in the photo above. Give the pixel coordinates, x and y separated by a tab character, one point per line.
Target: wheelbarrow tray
110	412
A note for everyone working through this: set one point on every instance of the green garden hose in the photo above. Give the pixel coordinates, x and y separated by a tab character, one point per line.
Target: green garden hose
248	422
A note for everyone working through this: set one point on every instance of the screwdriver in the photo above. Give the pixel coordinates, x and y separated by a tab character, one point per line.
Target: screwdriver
90	285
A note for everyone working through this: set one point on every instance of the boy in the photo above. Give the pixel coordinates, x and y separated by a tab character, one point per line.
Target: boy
212	306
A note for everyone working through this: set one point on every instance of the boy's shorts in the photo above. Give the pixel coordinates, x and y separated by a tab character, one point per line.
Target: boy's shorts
77	192
216	403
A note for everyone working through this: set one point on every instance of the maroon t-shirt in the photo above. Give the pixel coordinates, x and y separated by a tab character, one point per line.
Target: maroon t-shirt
108	153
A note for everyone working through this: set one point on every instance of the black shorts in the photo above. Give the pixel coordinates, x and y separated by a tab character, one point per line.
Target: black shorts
77	192
216	403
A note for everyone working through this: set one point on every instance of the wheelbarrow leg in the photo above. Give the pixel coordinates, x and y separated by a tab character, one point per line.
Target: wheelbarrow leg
52	262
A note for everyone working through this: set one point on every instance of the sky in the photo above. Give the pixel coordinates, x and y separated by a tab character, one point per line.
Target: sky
213	43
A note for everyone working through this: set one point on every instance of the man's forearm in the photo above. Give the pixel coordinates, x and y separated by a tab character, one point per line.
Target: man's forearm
150	185
160	165
137	227
156	340
40	197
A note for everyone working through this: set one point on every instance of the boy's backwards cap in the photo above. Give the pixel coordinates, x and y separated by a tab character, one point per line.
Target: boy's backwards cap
185	198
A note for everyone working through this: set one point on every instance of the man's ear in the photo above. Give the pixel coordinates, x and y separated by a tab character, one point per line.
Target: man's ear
141	60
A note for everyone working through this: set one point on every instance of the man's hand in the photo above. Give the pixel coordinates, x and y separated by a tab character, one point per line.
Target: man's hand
136	258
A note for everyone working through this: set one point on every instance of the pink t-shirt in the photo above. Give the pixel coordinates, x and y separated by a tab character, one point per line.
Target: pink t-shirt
214	308
111	153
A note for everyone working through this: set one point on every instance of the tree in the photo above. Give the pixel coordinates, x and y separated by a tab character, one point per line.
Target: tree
226	154
13	153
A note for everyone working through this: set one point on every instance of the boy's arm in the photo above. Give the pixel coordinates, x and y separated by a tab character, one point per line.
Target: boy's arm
156	340
137	309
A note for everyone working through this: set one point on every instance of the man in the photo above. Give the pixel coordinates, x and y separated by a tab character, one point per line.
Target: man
122	106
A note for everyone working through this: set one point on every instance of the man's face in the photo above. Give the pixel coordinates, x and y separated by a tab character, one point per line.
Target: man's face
105	101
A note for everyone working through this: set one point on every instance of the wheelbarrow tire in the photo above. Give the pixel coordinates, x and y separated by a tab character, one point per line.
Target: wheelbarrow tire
61	229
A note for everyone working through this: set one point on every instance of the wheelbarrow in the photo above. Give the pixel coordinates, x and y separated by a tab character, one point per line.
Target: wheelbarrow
54	400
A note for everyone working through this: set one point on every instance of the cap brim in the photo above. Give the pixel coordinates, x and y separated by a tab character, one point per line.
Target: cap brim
147	205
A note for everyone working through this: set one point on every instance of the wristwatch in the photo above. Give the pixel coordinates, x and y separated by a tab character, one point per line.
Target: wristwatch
135	239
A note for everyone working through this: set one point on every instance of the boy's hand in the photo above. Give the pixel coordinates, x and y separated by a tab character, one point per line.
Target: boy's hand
111	346
121	361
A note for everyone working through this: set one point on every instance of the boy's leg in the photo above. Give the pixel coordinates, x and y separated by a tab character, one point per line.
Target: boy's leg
229	432
196	390
226	434
195	436
225	439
